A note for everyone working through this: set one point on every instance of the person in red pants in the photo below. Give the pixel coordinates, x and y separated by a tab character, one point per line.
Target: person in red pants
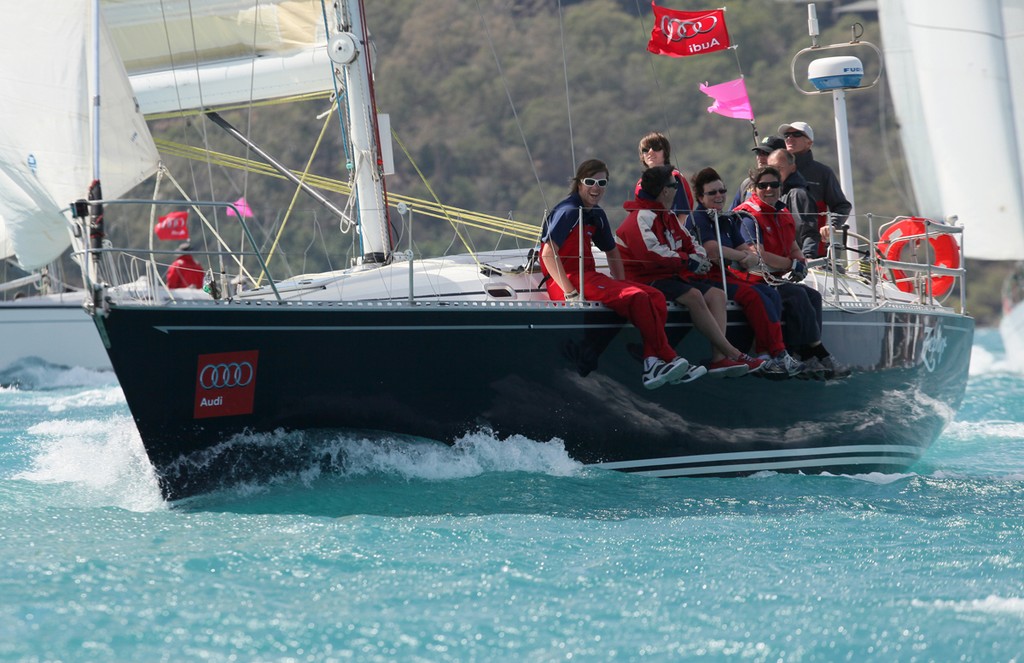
566	255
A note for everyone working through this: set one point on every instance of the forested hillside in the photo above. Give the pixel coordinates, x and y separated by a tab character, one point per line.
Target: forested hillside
496	100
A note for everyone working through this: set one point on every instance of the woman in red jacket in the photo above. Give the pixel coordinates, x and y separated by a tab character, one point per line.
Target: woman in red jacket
770	228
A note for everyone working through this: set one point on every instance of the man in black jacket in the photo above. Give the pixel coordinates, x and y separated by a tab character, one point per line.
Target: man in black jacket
798	199
822	183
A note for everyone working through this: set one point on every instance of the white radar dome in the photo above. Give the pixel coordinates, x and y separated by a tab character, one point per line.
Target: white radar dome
835	73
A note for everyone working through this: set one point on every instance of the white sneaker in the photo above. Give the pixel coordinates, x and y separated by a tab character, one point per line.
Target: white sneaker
658	372
695	372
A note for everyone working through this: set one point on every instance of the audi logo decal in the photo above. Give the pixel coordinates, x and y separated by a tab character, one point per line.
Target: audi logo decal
676	29
222	376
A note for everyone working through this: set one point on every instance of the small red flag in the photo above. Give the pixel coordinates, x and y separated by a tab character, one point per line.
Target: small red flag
678	33
173	226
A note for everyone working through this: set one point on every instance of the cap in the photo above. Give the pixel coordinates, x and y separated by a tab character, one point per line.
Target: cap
769	144
184	246
802	127
654	180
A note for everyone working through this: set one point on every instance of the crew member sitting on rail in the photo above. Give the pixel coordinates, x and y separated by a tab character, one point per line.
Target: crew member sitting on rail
770	229
561	262
657	251
760	302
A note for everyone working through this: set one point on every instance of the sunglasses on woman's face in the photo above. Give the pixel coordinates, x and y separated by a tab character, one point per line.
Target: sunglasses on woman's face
767	185
590	181
652	148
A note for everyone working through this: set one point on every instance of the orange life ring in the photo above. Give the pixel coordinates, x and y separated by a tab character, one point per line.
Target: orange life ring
895	245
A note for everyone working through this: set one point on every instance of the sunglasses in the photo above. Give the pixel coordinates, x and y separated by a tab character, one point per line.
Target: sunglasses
649	148
794	134
672	185
712	192
590	181
768	185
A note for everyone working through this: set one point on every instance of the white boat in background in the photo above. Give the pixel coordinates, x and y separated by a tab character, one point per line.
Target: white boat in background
46	156
956	75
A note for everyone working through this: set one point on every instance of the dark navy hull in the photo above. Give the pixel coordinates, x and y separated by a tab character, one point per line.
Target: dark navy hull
439	371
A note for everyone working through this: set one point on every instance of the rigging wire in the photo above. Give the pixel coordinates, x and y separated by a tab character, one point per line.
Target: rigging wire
565	76
434	209
512	105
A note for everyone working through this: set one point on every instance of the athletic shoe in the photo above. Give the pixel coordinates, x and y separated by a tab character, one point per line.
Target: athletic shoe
658	372
835	369
695	372
782	365
813	370
754	364
727	368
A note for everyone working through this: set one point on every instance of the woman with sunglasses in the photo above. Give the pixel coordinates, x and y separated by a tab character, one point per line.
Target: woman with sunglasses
566	255
771	230
722	240
656	151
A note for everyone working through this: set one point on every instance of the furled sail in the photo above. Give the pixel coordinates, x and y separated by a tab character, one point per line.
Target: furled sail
46	132
955	73
183	55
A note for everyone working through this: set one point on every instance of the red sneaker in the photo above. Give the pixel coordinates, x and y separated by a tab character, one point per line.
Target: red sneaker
727	368
753	363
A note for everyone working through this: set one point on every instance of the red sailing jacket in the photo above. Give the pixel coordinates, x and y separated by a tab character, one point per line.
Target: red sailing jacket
652	243
775	229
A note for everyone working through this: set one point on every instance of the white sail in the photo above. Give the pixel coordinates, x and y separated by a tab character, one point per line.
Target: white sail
45	134
184	55
949	68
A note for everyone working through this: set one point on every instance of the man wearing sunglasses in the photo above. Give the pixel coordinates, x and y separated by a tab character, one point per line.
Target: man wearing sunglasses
822	183
567	262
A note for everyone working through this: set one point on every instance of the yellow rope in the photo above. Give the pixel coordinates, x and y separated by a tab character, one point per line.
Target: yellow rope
310	96
486	222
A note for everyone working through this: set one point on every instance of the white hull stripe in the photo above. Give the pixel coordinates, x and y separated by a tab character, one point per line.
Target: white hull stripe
782	465
730	459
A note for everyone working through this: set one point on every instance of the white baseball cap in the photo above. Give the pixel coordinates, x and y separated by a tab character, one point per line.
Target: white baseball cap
802	127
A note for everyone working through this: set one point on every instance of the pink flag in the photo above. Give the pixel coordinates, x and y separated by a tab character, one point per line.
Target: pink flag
731	99
242	207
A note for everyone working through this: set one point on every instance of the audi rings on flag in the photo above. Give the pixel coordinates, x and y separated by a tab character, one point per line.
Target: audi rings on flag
680	33
172	226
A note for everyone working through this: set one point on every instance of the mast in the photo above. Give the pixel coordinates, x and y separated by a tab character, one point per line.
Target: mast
351	49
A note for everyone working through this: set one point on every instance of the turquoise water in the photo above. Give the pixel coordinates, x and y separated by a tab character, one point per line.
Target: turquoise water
503	550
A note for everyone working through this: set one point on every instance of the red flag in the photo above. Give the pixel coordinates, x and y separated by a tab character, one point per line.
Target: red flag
173	226
678	33
731	99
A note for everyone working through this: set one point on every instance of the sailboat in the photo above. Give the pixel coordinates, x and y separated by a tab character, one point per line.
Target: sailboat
435	348
45	156
956	75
